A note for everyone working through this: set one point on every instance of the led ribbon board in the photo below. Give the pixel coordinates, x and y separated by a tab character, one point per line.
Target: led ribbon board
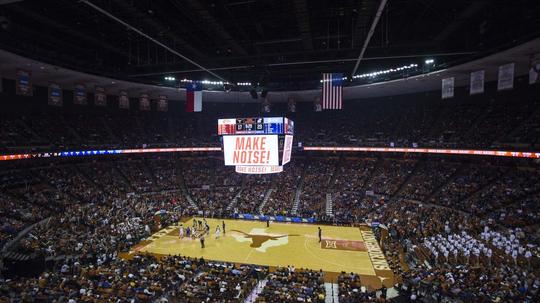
106	152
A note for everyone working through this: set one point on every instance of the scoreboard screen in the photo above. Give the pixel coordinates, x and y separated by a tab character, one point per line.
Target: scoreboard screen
260	145
255	126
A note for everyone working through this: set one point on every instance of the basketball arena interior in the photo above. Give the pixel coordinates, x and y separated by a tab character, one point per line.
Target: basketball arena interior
269	151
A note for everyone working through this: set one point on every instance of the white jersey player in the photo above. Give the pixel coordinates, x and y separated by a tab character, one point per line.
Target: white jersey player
218	232
181	232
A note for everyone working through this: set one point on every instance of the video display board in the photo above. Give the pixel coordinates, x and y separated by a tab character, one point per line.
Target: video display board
251	150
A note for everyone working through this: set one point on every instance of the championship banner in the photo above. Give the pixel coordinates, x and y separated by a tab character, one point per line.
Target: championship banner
291	105
448	88
506	77
79	95
144	102
477	82
163	104
24	84
55	95
123	100
266	105
534	69
317	106
100	98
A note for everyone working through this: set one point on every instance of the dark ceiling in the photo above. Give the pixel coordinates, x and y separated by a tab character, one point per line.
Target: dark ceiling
279	44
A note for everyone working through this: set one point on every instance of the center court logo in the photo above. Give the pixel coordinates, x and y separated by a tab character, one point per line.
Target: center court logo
260	239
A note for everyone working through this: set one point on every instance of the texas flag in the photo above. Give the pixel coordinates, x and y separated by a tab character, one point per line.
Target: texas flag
193	97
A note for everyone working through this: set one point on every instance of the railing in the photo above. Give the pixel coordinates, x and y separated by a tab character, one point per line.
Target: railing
23	233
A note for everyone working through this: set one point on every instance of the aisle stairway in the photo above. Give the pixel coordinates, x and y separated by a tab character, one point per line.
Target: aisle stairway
329	205
265	200
296	203
256	292
332	293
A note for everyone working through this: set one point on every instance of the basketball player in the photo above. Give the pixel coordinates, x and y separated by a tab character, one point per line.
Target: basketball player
218	232
181	231
223	224
202	241
320	234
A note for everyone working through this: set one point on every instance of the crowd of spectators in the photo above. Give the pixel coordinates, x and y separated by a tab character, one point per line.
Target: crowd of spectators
351	290
141	279
284	186
459	256
253	193
316	180
448	220
287	284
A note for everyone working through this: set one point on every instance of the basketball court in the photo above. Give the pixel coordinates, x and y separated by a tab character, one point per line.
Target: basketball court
348	249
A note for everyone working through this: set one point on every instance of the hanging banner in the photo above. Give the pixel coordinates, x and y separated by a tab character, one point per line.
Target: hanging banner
100	98
534	69
266	105
477	82
291	105
79	95
317	106
24	83
448	88
506	77
55	95
123	100
163	104
144	102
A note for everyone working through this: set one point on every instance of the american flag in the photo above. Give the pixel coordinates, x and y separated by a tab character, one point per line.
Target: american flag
332	91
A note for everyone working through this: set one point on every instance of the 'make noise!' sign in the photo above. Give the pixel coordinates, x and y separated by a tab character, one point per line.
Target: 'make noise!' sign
251	150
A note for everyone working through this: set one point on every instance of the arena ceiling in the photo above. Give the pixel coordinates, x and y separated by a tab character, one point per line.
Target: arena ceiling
280	44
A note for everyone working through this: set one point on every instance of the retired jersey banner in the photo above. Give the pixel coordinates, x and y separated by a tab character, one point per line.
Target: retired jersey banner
266	105
291	105
506	77
55	95
477	82
448	88
24	83
123	100
534	69
100	98
317	106
144	102
79	95
163	104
